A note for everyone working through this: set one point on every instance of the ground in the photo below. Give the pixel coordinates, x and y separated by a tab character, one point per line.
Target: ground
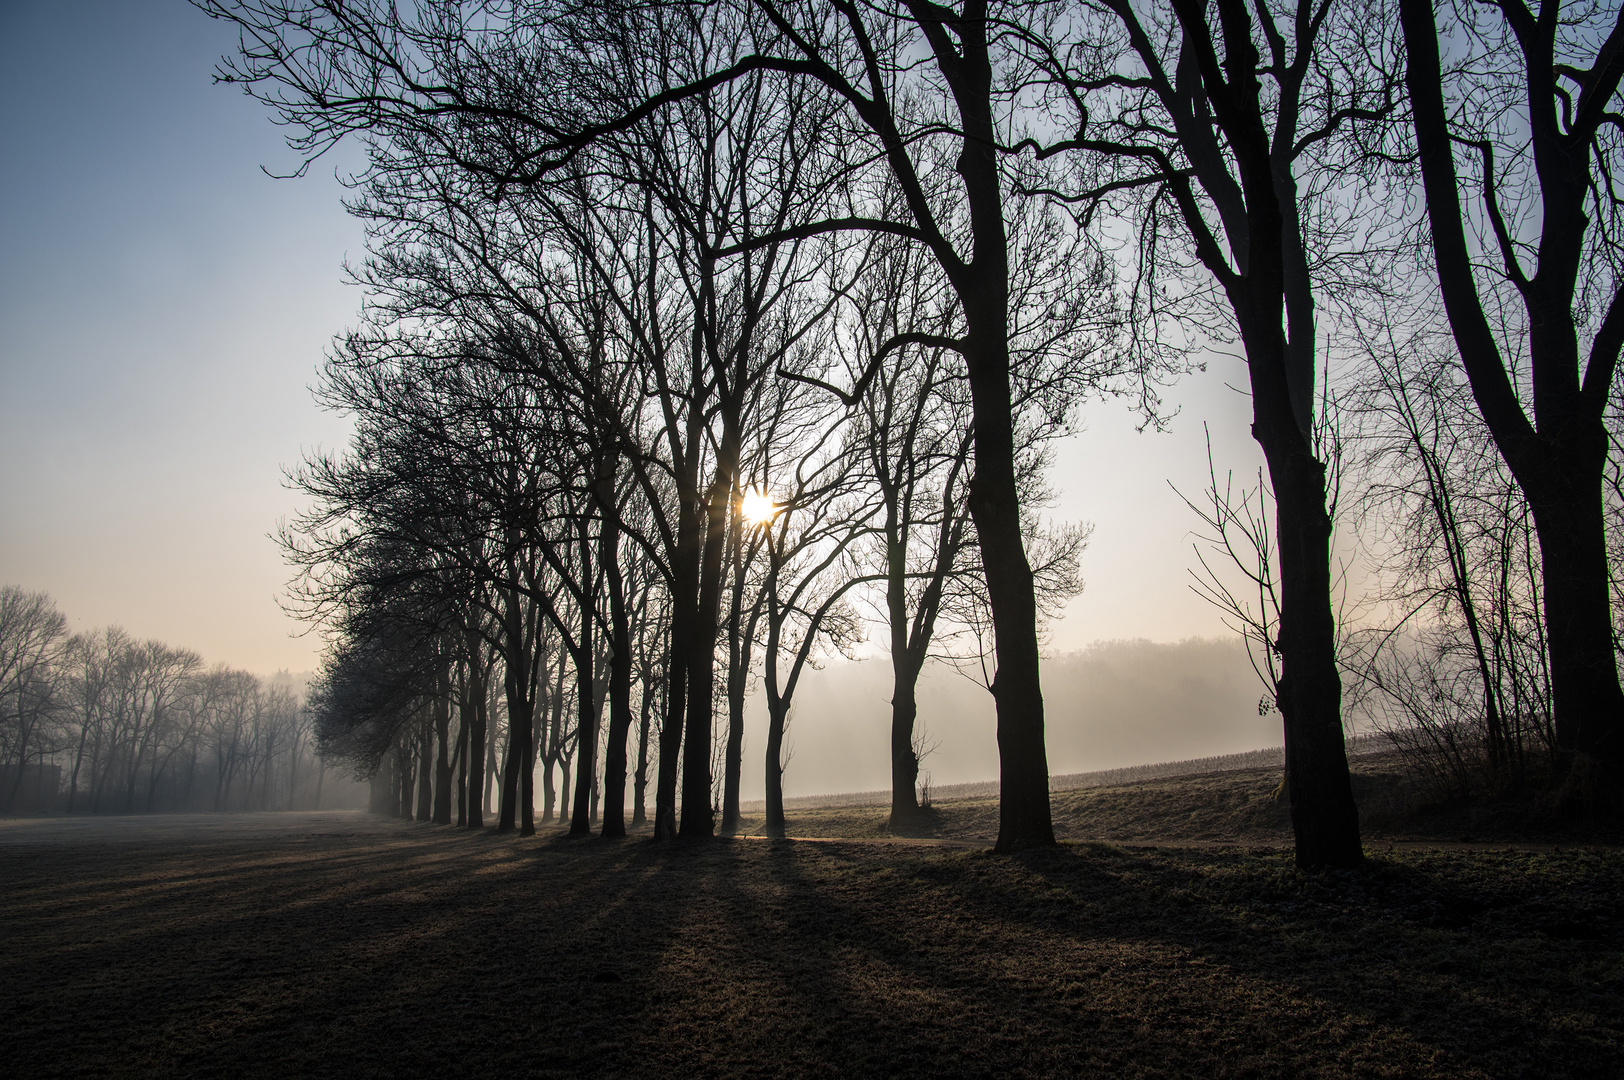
341	944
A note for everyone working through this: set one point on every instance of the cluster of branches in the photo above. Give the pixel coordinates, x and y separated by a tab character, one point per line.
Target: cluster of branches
618	244
139	726
564	399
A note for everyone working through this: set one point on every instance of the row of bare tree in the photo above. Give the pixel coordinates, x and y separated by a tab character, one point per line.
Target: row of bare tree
630	260
139	726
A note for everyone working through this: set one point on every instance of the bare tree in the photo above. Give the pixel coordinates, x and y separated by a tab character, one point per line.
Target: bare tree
1222	130
31	635
1532	97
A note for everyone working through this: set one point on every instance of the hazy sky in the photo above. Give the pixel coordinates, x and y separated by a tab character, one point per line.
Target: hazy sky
164	306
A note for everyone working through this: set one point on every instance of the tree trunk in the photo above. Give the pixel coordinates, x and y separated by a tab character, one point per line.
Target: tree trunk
425	774
738	677
676	698
904	763
442	730
620	686
1023	766
640	778
1324	819
697	820
586	729
586	703
775	825
403	763
506	816
549	793
462	757
491	770
480	760
564	761
1588	703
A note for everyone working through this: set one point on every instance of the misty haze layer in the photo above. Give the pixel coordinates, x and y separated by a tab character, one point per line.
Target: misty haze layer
1113	704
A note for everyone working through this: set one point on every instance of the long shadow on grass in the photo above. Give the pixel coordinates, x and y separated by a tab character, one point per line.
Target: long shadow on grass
413	950
1447	954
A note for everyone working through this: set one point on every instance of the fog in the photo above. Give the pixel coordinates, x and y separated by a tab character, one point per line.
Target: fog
1112	704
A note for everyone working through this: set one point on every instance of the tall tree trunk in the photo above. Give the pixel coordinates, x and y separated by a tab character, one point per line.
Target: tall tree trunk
738	678
982	286
403	768
442	730
506	815
586	724
640	778
491	769
480	755
1324	818
620	680
1023	765
904	762
564	777
1558	460
680	644
777	710
1584	665
586	740
425	773
697	820
549	793
462	755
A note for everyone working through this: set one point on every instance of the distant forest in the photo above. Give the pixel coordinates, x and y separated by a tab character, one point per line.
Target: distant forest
101	722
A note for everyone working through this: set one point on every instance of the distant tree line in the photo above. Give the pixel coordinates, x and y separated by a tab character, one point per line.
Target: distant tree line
693	330
134	726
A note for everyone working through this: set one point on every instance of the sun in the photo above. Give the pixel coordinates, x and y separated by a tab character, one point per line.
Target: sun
758	507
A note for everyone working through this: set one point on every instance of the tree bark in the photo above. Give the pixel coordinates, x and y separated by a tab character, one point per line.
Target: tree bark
640	778
775	825
425	771
620	669
738	677
442	729
697	819
904	762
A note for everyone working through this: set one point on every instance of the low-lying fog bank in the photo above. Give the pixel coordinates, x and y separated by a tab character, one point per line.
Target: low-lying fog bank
1111	705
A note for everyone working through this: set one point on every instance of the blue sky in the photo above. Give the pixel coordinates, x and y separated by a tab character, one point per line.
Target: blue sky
164	306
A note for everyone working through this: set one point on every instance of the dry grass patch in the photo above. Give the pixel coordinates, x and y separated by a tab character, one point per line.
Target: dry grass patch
357	947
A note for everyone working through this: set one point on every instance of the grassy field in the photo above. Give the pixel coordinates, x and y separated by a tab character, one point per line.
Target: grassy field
1241	806
339	944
